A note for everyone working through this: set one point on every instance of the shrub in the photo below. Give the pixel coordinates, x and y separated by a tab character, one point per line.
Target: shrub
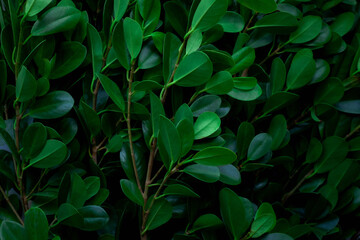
179	119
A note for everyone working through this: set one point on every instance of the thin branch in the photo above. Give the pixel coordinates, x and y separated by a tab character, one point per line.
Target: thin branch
128	121
352	132
289	194
11	206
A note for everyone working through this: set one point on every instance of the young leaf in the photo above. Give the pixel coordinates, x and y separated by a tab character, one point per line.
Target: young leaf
33	7
133	37
95	43
206	124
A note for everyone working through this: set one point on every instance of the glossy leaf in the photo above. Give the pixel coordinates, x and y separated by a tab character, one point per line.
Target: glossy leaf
53	154
36	224
259	146
160	213
194	70
180	190
309	28
33	7
206	124
25	85
131	191
34	139
229	174
245	134
209	174
277	130
214	156
206	221
264	221
207	103
56	19
133	37
232	22
12	230
262	6
208	13
277	75
279	23
53	105
220	83
113	91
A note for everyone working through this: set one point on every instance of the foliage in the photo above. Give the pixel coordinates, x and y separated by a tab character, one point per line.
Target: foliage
203	119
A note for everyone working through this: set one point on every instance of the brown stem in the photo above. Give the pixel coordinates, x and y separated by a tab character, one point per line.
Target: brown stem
289	194
156	174
128	121
352	132
11	206
250	21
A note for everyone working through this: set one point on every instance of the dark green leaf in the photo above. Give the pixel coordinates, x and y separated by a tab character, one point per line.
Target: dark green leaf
180	190
277	130
245	134
95	43
133	37
113	91
279	100
131	190
309	28
33	7
120	7
53	105
56	19
160	213
209	174
243	59
12	230
25	85
279	23
262	6
214	156
90	117
277	75
34	139
157	109
205	221
259	146
220	83
232	22
185	129
264	221
36	224
330	91
207	103
149	56
229	174
343	23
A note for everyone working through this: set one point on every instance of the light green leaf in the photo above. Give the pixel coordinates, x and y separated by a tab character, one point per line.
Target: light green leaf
309	28
232	22
33	7
133	37
220	83
206	124
208	13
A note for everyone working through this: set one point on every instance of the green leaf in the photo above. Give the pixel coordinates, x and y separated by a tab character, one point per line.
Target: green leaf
184	112
354	144
277	236
322	71
314	151
208	13
278	22
207	103
36	224
229	174
96	49
232	22
194	70
245	134
309	28
133	37
243	59
264	221
115	143
261	6
53	154
279	100
206	221
206	124
157	109
149	56
68	58
343	23
25	85
53	105
209	174
277	75
120	7
185	129
214	156
3	78
12	230
302	69
335	150
220	83
112	90
92	185
246	95
179	190
90	117
160	213
330	91
170	54
277	130
169	142
259	146
177	16
349	106
131	190
34	139
33	7
119	46
55	20
65	211
245	83
147	85
194	42
237	212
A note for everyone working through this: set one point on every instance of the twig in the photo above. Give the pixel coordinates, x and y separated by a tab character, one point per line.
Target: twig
289	194
128	121
11	206
250	21
352	132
